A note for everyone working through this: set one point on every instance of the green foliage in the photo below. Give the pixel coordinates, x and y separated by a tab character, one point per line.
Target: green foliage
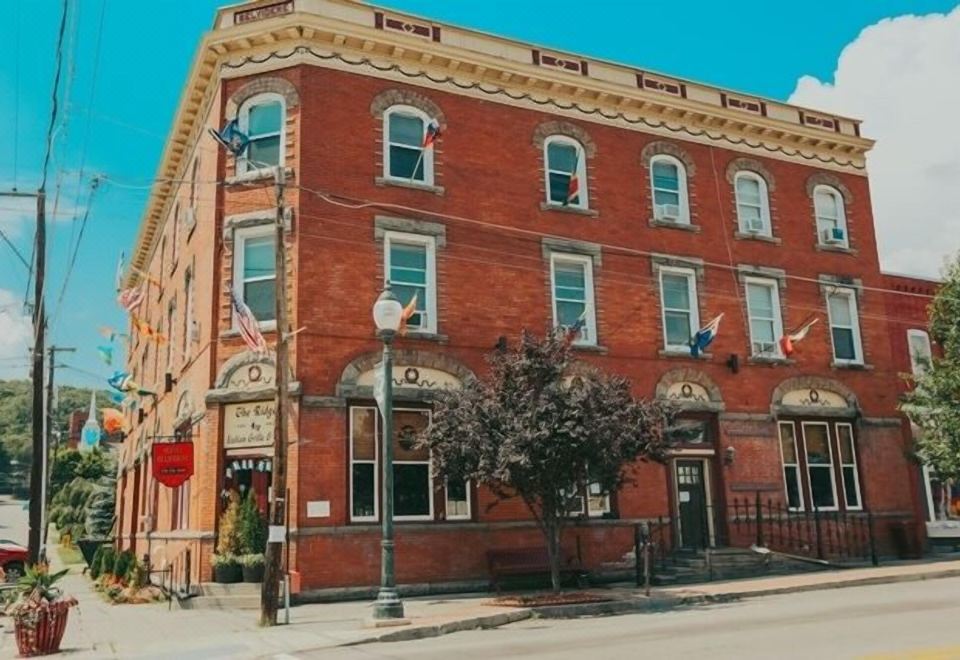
251	560
228	536
529	430
108	557
251	526
96	564
122	564
221	559
39	581
934	403
136	575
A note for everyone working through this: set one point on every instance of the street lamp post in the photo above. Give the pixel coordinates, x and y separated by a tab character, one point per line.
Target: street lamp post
387	315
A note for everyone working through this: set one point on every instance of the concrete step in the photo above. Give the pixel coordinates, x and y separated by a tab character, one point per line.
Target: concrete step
233	589
220	603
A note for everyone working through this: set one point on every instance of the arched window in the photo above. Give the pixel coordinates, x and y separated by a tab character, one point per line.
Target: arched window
831	217
668	178
565	164
753	204
405	156
262	120
193	182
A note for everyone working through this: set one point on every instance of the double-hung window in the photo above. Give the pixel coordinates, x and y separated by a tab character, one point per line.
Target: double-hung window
820	470
848	466
763	309
410	267
262	120
831	217
753	207
563	158
668	178
821	478
844	326
791	466
404	157
921	356
571	278
254	270
457	499
678	300
171	315
188	328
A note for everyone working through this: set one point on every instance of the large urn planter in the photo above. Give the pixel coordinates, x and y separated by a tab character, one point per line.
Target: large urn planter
252	567
226	569
39	631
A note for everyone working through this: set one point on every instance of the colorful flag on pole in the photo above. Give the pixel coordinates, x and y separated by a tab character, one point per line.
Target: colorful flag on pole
119	275
571	333
573	185
113	420
433	132
248	325
131	298
231	138
111	335
705	336
791	338
147	331
408	313
121	381
106	354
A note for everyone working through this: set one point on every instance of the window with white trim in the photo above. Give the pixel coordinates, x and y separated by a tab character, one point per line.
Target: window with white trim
410	267
791	466
571	284
457	500
753	203
562	157
848	467
678	302
188	321
763	310
818	452
404	155
175	239
588	499
412	475
921	354
171	314
668	180
262	119
831	216
254	270
844	326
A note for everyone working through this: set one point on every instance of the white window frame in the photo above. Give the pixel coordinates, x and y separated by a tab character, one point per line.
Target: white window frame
432	515
376	464
428	155
774	285
240	237
694	311
587	263
188	321
446	503
583	194
243	121
796	465
824	222
764	206
855	465
683	200
430	243
594	490
832	465
171	315
851	299
916	368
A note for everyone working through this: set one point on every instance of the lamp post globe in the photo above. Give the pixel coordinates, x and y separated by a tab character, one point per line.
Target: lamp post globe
387	311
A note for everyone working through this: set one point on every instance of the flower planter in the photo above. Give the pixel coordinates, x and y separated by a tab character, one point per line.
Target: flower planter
253	573
41	632
227	573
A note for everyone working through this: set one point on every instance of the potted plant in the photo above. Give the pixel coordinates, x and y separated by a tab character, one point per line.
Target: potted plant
226	569
252	565
40	611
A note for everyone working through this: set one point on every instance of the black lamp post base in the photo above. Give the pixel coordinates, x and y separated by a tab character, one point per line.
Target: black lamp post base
388	605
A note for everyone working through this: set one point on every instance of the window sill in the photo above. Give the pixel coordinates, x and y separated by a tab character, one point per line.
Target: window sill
266	327
771	360
261	174
589	348
426	335
676	354
576	210
407	183
747	236
835	248
668	224
853	366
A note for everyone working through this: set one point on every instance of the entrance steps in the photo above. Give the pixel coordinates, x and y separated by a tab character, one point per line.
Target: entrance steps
215	596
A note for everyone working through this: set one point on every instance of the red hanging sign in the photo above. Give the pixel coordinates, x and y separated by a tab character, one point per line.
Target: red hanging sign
172	462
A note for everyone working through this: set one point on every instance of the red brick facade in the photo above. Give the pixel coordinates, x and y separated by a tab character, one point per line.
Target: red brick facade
493	238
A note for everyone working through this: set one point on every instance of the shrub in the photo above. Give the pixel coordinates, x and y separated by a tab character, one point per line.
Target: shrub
121	567
96	563
251	560
228	537
107	560
251	526
137	575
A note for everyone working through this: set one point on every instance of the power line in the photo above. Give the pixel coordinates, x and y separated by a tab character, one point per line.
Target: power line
54	97
16	102
13	247
76	249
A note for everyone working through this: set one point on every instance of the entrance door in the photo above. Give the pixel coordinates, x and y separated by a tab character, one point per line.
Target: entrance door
692	504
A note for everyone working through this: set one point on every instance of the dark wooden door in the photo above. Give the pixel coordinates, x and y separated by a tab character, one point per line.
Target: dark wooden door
692	504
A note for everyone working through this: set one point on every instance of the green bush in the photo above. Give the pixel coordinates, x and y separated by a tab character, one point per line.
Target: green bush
228	536
108	557
137	574
251	526
121	567
96	563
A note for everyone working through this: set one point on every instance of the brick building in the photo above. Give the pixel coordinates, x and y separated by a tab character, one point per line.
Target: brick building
694	201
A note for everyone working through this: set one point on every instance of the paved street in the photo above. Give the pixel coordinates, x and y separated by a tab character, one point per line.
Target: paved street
13	520
915	620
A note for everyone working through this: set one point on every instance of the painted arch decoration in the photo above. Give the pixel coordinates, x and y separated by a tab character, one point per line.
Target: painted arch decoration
814	395
690	389
417	375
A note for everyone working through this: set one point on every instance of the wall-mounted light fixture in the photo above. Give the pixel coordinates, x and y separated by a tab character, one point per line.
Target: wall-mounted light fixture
733	363
729	455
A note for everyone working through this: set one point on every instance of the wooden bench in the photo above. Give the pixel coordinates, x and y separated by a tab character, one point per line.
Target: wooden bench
525	561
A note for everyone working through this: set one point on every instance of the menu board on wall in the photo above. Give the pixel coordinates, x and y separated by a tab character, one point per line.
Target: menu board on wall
247	425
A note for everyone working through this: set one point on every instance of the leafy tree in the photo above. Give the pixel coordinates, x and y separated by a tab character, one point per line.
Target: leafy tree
251	526
228	533
934	402
531	431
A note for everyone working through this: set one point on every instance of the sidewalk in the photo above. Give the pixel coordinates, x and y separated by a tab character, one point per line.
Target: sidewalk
100	630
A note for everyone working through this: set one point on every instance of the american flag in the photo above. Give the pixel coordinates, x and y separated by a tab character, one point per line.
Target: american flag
131	298
432	133
248	325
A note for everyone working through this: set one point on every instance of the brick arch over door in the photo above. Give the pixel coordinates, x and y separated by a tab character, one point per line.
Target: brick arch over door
347	385
280	86
697	377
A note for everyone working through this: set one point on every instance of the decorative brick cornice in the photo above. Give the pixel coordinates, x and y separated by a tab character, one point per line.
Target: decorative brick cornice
264	85
548	128
750	165
391	97
832	180
662	147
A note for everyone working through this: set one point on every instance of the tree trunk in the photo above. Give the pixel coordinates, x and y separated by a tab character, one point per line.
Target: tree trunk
552	530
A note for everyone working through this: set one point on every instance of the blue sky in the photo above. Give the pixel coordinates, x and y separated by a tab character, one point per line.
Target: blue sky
118	106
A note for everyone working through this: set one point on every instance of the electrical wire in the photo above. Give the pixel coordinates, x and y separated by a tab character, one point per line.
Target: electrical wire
54	109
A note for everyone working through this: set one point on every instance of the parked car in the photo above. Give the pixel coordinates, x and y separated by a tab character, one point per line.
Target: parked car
13	560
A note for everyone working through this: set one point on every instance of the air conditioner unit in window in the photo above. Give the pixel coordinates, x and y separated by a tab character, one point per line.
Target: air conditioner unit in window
755	226
667	212
190	218
833	236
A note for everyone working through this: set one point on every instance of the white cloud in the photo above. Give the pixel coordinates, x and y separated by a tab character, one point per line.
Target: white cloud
15	336
902	77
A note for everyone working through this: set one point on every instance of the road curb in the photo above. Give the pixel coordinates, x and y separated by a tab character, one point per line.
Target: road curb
423	632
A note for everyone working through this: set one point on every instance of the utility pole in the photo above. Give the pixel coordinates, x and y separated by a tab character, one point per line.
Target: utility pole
51	367
270	590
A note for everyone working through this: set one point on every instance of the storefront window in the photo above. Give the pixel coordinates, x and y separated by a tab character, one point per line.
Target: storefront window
820	467
249	473
943	497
